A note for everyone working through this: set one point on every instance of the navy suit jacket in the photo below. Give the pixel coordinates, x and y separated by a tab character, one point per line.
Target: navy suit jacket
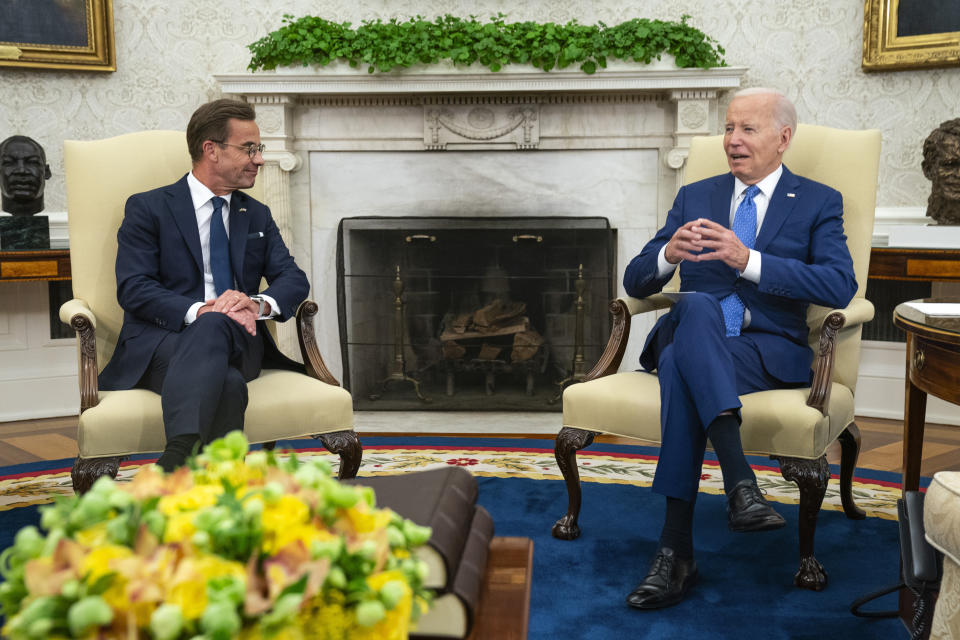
804	259
160	273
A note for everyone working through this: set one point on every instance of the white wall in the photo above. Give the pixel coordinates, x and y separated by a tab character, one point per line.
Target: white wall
168	52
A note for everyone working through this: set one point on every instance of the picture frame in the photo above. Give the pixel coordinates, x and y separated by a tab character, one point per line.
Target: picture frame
73	35
910	34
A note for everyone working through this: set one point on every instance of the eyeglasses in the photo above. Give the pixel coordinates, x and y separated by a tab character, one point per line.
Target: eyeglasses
251	149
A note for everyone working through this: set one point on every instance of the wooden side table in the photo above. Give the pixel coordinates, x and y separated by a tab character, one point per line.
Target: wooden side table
933	367
920	265
40	265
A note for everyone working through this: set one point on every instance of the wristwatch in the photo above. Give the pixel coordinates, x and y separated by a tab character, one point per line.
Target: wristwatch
260	301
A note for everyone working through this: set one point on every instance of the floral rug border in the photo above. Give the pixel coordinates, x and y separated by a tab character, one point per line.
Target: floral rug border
877	498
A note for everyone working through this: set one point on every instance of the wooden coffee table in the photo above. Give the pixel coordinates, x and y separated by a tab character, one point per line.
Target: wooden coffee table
504	611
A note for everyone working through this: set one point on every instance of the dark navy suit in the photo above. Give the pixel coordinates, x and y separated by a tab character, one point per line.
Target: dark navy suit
804	259
160	275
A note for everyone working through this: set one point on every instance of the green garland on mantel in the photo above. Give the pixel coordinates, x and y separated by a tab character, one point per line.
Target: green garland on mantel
494	44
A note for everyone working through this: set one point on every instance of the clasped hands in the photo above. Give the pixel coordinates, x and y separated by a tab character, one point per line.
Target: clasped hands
689	241
237	306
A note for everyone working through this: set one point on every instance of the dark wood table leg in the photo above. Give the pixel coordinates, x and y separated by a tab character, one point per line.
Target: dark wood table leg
914	416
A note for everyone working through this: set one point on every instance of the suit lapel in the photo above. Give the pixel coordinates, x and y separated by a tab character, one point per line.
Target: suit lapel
239	224
784	199
185	217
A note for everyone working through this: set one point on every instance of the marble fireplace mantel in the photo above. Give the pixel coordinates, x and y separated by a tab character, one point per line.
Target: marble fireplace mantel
314	120
690	93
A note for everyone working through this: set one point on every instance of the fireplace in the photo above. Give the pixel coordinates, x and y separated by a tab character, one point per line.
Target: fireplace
471	313
468	144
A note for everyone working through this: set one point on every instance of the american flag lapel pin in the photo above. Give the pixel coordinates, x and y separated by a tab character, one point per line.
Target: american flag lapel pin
789	195
242	209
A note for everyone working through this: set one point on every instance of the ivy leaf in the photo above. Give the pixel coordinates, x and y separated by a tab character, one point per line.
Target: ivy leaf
383	45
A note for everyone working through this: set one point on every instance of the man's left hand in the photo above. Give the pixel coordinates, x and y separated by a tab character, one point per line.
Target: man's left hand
725	244
234	301
238	307
246	319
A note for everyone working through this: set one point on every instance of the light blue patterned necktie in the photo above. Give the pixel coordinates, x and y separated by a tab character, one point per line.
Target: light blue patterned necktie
745	226
219	249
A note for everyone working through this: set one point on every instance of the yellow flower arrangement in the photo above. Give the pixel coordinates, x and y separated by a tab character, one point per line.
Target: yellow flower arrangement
238	545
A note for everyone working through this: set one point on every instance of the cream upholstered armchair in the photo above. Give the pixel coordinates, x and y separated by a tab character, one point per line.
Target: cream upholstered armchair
100	175
941	521
793	426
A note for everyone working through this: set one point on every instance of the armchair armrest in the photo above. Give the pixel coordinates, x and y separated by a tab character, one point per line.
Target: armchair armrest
78	315
859	311
643	305
623	309
312	359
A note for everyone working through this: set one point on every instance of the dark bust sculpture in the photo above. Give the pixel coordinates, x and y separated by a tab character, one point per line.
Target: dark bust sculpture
941	165
23	173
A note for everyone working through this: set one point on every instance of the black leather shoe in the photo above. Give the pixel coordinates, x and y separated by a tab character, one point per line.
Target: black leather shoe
748	510
667	582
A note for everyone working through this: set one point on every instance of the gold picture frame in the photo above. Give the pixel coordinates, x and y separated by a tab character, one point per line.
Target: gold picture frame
885	50
58	34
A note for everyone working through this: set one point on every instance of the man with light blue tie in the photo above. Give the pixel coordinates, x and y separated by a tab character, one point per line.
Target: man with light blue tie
190	259
755	247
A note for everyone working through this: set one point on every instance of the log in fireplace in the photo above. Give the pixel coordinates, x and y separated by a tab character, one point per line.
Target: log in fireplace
471	313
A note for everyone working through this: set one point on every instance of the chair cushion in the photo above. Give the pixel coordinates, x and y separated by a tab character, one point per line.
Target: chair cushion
283	405
776	422
941	513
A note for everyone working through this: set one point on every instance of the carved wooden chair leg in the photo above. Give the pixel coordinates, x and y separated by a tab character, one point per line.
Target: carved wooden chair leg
565	448
347	445
86	471
849	452
811	477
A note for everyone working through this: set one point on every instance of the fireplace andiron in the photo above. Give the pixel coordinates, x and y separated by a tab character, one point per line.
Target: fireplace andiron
398	368
577	372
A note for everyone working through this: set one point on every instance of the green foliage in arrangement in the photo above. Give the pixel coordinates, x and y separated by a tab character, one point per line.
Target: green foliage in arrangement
494	44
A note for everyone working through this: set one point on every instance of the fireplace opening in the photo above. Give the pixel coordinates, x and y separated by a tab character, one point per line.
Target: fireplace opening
492	314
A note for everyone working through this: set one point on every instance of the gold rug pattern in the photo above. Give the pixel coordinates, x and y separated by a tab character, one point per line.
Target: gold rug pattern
877	498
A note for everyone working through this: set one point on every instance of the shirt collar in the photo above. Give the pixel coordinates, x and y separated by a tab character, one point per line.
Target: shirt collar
201	193
766	186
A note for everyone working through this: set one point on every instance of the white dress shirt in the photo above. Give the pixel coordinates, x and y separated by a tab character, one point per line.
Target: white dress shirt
202	198
762	201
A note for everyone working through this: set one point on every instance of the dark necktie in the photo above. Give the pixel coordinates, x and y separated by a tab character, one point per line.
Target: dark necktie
745	226
219	249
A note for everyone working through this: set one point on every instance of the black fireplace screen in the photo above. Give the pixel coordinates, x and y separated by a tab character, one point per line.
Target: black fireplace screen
471	313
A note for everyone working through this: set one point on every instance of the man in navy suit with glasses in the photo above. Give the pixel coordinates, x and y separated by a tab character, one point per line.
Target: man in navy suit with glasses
755	247
190	260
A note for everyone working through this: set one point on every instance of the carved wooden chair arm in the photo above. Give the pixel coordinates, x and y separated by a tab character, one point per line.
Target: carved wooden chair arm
623	309
78	315
312	359
643	305
857	313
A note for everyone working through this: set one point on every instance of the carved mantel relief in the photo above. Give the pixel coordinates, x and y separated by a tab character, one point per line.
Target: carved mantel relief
696	116
503	125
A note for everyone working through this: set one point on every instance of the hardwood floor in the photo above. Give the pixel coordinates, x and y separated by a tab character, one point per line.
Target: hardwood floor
34	440
55	438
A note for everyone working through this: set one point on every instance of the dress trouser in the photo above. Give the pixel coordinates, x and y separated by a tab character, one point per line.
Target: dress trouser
201	374
702	372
